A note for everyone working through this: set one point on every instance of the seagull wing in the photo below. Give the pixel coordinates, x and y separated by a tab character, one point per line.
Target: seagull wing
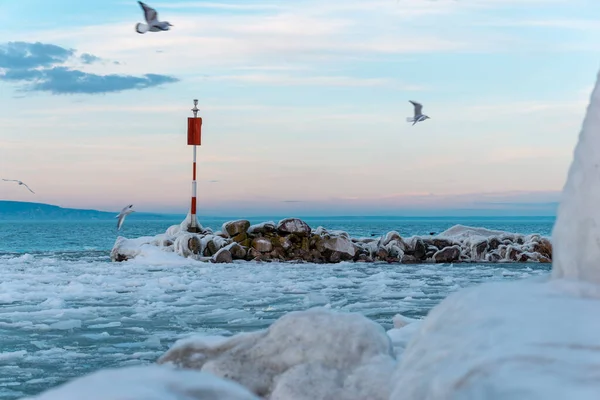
149	13
418	107
121	220
28	188
10	180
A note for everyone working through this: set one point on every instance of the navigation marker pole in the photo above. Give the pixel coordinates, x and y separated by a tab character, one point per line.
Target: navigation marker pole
194	139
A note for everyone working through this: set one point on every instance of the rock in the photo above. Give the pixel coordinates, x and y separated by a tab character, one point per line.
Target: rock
263	245
364	258
262	229
285	242
447	255
223	256
494	243
478	250
237	251
341	245
276	363
544	248
234	228
194	244
442	243
240	237
382	254
513	254
120	257
278	254
420	249
254	255
295	226
211	248
493	257
408	259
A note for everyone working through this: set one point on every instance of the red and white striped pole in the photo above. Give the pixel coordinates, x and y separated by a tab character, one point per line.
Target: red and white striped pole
194	139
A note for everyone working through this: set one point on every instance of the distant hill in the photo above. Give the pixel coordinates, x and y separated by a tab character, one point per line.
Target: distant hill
24	210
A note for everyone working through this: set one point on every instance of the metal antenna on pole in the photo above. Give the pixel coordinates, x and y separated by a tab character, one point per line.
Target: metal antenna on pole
195	109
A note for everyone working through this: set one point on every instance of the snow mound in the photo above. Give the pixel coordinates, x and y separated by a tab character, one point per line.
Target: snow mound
517	340
314	354
577	227
147	383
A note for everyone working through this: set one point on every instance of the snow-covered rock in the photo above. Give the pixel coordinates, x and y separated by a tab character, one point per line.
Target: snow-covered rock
294	226
294	240
311	354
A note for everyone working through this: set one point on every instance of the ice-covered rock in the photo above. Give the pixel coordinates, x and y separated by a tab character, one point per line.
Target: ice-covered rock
262	245
262	228
223	256
303	355
147	383
234	228
294	226
294	240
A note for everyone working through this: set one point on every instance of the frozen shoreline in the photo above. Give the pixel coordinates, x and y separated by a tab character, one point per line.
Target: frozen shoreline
294	240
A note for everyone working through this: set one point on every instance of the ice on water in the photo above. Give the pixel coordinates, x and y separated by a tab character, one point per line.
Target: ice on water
64	318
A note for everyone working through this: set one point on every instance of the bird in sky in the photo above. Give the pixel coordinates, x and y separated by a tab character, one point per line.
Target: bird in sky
152	23
20	183
124	212
419	116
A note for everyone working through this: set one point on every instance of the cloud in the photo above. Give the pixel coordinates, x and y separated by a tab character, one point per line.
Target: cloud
22	55
291	80
89	58
43	67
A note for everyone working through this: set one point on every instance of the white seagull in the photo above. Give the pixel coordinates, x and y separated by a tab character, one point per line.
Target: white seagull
418	117
152	23
124	212
20	183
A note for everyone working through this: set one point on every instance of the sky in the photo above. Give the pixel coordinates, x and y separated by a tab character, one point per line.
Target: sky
304	104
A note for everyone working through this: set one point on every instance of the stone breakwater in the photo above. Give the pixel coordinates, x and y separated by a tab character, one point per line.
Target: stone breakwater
294	240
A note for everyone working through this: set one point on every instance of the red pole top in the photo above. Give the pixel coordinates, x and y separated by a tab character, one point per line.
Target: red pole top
194	134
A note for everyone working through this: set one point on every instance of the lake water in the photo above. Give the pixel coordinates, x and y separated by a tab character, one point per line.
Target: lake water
66	310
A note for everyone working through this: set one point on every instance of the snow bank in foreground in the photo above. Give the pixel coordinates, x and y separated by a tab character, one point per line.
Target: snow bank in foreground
314	354
577	227
518	340
147	383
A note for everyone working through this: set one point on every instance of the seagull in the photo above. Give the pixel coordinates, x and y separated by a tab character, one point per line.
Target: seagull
124	212
418	116
20	183
152	23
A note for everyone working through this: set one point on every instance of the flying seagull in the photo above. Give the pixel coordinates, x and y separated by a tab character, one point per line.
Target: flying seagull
20	183
124	212
418	117
152	23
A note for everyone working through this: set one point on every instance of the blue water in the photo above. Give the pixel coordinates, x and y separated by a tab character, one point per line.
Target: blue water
66	310
84	236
